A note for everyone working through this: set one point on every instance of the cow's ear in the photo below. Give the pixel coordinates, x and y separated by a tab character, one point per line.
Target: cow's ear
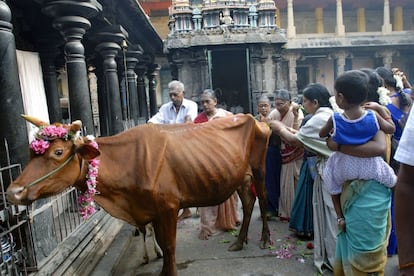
75	126
87	151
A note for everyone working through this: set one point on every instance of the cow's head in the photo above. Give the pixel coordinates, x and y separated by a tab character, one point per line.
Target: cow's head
55	164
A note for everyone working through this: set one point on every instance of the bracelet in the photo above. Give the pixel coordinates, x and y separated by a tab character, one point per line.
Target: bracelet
340	219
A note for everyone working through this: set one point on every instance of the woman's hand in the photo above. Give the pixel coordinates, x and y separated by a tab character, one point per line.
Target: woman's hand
276	126
295	109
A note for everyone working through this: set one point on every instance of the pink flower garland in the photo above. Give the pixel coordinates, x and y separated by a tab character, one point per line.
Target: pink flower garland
86	202
41	143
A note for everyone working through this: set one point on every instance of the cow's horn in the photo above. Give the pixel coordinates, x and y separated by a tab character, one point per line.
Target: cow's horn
35	121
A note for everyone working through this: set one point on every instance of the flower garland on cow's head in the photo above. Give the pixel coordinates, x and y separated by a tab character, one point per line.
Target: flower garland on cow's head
41	143
46	134
86	202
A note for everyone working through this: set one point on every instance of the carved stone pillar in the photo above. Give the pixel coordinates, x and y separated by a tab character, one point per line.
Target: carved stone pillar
291	29
340	27
142	94
256	72
151	74
131	62
204	74
262	70
386	56
387	27
47	57
340	62
108	51
293	77
12	127
277	60
70	18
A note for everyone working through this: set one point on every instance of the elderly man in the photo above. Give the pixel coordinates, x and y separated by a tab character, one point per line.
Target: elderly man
178	110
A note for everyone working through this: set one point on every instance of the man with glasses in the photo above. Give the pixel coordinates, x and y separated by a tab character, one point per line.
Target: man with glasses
178	110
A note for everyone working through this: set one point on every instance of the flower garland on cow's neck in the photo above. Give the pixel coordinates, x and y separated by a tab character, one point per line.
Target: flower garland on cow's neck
86	202
42	142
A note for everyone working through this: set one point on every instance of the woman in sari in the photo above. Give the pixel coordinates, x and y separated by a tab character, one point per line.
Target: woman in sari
223	217
399	107
316	102
291	116
273	161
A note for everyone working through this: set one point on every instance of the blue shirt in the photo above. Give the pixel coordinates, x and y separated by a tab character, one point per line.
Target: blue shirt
354	132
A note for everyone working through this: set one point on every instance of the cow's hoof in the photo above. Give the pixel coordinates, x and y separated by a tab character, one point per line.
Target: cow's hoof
146	260
237	246
265	245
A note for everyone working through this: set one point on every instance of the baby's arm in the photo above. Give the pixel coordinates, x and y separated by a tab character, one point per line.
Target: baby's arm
386	124
326	129
383	117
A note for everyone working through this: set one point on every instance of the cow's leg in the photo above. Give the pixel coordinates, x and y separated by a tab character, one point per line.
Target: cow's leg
247	199
157	248
165	232
143	231
259	184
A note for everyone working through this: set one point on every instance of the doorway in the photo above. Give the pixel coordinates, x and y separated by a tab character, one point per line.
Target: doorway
228	71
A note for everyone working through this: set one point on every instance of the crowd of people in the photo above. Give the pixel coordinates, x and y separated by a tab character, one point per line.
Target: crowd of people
338	167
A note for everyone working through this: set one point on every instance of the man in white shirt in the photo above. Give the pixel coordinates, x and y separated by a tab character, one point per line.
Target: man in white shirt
403	198
178	110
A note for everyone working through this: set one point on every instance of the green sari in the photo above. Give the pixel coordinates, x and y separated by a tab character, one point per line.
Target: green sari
362	248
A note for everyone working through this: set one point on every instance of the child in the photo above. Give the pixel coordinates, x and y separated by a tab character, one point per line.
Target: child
354	126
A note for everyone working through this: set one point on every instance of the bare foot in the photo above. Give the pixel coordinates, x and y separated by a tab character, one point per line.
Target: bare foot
203	235
185	214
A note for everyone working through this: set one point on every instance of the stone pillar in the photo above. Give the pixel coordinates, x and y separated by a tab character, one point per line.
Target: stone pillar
386	56
361	21
152	85
204	74
262	70
108	51
47	57
340	27
387	27
256	78
291	29
142	94
398	19
319	20
340	57
12	126
70	18
293	77
131	62
279	83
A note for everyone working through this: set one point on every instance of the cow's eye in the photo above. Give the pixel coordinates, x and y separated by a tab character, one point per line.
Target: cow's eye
59	152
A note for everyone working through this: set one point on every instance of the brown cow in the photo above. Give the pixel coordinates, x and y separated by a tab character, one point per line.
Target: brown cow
149	172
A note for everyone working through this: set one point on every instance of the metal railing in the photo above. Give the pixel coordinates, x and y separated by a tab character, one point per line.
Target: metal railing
30	235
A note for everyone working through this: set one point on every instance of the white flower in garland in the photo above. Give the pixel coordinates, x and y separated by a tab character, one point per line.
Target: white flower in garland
384	99
399	81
